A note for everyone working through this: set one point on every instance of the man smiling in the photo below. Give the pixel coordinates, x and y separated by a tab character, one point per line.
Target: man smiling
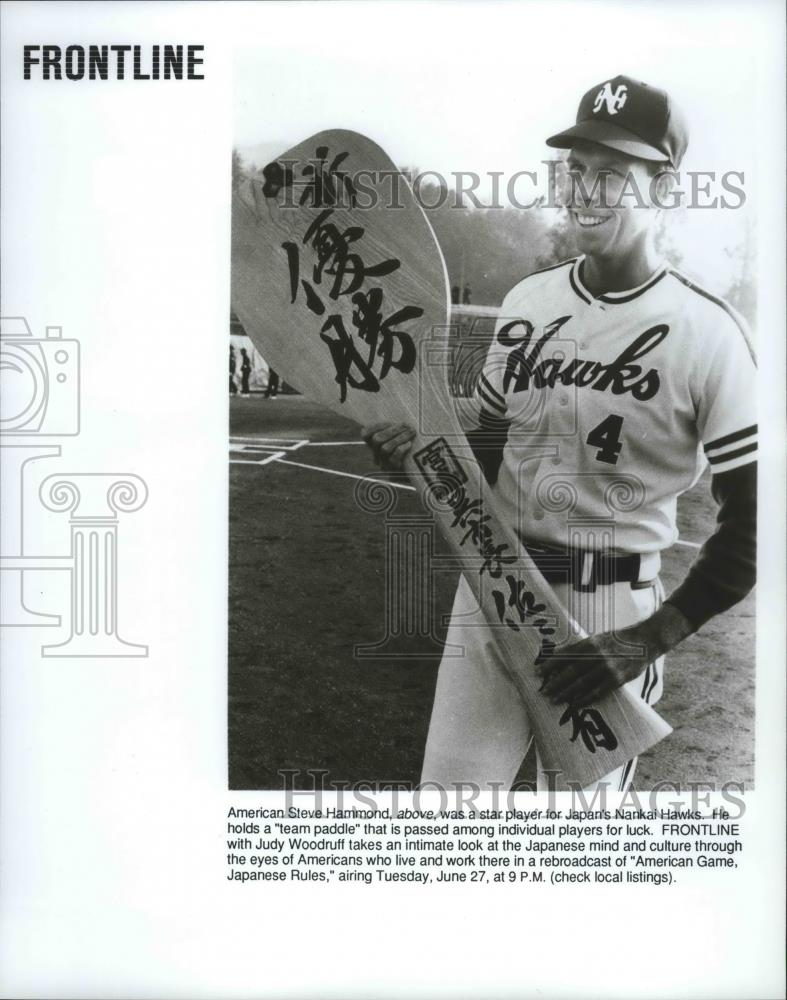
611	383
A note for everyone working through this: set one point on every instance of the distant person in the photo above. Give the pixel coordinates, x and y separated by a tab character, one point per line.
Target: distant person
273	384
233	386
466	296
455	295
245	372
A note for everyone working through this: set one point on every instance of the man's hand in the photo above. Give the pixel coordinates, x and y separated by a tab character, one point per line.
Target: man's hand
583	672
390	444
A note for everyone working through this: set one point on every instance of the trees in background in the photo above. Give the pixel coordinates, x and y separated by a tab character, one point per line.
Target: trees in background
238	169
743	292
491	249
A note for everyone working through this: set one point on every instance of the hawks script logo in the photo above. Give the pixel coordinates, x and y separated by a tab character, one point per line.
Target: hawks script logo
614	99
525	366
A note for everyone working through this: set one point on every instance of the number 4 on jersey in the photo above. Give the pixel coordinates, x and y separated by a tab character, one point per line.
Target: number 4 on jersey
606	437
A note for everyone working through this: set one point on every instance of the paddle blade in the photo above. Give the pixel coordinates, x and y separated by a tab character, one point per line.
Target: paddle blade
359	286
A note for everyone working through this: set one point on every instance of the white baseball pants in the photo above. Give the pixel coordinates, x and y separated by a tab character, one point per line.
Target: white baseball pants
479	730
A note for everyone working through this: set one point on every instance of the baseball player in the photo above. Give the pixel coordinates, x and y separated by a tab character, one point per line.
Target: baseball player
612	381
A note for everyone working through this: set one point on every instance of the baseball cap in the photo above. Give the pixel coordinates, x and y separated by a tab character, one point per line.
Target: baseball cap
632	117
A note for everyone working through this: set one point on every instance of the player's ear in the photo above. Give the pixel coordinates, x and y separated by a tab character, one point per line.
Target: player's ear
663	188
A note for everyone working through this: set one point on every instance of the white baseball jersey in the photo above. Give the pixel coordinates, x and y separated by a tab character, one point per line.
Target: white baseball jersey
614	405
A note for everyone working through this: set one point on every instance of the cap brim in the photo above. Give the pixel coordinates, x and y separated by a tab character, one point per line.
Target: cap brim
606	134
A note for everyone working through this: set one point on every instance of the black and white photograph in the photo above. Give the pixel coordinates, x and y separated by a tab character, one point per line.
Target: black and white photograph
597	326
393	499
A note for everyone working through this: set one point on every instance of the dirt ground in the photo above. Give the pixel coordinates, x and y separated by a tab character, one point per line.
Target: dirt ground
307	584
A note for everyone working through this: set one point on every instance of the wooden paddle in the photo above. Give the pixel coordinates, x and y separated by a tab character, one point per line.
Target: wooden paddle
347	297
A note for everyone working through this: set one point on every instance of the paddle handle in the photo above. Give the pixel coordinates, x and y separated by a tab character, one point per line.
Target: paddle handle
524	614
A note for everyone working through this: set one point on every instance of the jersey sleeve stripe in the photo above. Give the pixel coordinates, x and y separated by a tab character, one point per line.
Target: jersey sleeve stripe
727	449
731	438
491	389
735	463
728	456
493	403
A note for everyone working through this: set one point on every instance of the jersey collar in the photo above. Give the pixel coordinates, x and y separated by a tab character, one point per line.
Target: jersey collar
613	298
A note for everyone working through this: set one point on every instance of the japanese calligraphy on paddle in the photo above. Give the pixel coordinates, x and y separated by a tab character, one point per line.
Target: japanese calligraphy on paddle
349	302
337	257
590	725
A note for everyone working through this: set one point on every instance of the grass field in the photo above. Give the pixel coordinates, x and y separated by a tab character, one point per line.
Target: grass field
307	584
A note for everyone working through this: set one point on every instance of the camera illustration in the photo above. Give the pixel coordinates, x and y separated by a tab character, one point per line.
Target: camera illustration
39	381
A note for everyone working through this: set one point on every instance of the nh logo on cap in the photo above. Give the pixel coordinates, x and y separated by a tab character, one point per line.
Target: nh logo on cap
614	99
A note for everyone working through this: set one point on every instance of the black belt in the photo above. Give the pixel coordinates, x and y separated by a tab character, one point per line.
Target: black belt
584	570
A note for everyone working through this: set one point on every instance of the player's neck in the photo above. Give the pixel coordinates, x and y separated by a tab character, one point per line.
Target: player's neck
602	274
